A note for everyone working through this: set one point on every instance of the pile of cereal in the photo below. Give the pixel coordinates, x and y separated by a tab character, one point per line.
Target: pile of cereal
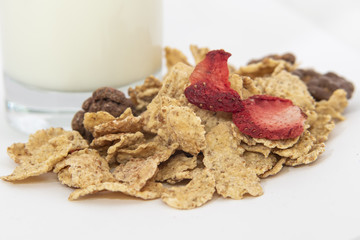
163	143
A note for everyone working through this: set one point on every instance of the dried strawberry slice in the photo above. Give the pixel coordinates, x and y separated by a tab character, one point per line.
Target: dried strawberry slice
210	87
270	117
260	116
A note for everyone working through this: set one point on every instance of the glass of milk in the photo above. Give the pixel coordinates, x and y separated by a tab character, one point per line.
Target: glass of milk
56	52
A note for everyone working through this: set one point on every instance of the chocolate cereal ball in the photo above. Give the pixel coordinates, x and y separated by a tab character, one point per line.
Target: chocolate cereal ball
105	99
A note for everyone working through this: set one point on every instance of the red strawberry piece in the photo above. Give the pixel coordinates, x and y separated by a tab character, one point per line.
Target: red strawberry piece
210	87
270	117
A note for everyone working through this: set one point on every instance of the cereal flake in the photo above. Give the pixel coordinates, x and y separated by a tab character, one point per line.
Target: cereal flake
44	149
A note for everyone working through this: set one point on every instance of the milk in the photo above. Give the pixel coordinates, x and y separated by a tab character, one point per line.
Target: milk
80	45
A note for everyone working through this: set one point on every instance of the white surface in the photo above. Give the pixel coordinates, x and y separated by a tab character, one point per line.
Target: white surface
320	201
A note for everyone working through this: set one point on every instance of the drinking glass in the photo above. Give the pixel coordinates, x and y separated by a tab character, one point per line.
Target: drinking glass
56	52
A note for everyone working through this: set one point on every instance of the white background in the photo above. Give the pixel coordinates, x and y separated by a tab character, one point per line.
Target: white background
320	201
